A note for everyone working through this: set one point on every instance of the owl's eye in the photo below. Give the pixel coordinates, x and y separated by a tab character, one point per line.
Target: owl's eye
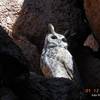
64	40
53	37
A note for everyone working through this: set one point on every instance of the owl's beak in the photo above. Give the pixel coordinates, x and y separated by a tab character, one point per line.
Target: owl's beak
59	41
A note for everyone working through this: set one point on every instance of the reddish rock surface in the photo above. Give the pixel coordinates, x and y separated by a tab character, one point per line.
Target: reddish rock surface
92	9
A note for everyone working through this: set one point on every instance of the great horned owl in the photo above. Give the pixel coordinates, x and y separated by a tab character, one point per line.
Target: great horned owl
56	60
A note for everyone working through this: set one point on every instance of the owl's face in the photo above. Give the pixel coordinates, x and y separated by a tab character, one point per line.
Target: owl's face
54	39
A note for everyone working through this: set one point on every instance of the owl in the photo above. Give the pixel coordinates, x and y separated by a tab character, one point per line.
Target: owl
56	60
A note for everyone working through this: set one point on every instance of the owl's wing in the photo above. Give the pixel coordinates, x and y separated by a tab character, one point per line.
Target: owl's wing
45	66
67	62
68	70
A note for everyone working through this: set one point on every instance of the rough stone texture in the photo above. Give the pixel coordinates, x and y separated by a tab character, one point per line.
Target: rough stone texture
9	11
30	51
92	9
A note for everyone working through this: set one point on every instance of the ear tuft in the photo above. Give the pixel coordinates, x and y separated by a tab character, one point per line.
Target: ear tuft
66	33
51	28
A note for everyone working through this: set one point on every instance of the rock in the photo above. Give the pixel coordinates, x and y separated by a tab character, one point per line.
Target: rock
38	87
12	62
36	14
92	10
30	18
7	94
89	67
31	53
9	11
91	43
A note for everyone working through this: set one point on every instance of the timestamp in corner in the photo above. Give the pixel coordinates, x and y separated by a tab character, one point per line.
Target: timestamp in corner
93	92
